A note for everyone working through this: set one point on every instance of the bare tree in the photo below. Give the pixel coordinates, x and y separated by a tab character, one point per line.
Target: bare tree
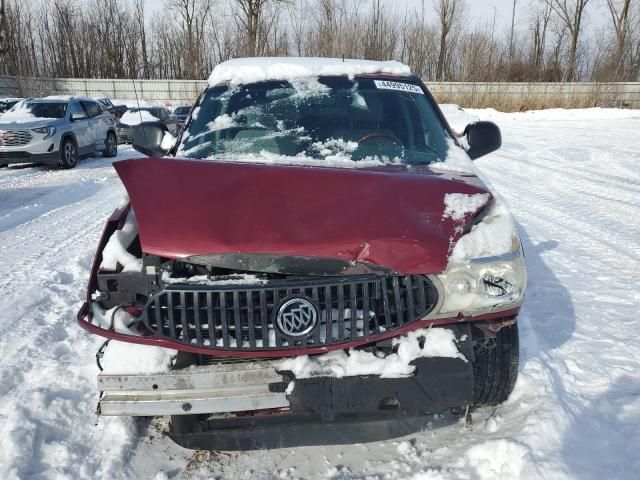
139	9
570	13
539	25
249	17
511	31
619	12
450	14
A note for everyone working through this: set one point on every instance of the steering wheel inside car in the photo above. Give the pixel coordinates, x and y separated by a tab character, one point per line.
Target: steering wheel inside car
370	135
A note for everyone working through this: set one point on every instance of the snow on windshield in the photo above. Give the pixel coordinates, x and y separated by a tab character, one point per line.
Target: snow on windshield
135	117
328	121
251	70
24	112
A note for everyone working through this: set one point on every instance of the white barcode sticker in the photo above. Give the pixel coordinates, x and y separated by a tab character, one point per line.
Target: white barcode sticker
404	87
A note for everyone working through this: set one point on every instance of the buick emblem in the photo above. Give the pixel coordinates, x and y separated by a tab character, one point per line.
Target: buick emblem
297	317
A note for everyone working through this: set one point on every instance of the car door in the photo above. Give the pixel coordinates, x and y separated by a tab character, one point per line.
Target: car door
97	127
105	121
80	127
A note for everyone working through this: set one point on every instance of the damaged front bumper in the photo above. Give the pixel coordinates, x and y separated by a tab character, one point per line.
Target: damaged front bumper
254	404
220	388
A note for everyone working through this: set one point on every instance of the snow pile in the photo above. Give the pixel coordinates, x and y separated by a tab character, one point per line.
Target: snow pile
132	118
239	279
494	235
499	459
115	319
459	205
130	358
339	160
168	141
457	117
115	251
438	342
557	114
249	70
456	161
124	357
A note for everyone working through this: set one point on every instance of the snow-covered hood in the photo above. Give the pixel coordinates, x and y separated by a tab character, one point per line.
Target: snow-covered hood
392	217
28	124
131	119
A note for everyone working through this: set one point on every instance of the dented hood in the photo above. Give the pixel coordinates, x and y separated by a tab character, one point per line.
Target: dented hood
388	217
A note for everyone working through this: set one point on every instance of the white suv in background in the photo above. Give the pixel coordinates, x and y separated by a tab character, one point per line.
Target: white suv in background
56	131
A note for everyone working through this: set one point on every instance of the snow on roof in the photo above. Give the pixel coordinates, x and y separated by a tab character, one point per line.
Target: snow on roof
136	117
59	98
249	70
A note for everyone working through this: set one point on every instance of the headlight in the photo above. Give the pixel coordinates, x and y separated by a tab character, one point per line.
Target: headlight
48	131
482	283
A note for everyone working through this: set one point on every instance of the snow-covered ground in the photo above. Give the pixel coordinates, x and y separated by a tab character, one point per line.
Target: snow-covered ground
572	179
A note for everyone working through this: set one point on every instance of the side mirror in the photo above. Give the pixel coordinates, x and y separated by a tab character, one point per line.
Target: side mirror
483	138
147	138
77	116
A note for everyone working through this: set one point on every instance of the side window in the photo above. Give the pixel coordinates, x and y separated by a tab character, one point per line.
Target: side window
164	114
76	111
91	108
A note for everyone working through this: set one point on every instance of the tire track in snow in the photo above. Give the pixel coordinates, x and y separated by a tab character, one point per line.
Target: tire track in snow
47	377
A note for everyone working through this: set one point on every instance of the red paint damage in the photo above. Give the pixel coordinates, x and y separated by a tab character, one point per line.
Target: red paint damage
391	217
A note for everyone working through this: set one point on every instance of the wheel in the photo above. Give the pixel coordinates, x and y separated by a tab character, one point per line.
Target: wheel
111	145
68	154
495	368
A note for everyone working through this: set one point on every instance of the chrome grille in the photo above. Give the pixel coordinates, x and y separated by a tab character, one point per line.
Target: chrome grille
243	317
14	138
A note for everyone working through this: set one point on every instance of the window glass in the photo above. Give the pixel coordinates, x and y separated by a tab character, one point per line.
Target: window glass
76	110
331	118
92	108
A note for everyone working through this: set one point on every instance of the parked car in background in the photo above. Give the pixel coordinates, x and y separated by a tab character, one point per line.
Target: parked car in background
56	131
322	254
116	110
7	102
182	113
135	116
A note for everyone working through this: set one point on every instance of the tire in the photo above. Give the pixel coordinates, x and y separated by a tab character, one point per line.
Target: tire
3	165
68	154
495	368
111	145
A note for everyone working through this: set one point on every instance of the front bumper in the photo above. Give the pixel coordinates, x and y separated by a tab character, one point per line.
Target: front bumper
221	388
239	405
23	156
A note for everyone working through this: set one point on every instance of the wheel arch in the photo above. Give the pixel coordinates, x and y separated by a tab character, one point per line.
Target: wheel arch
68	135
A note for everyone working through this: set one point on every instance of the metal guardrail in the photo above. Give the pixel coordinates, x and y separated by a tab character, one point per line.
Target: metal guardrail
174	92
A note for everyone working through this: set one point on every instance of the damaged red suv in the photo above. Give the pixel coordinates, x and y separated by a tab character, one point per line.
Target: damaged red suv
314	260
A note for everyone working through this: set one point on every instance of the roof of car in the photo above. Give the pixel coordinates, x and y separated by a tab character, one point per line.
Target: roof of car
250	70
59	98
